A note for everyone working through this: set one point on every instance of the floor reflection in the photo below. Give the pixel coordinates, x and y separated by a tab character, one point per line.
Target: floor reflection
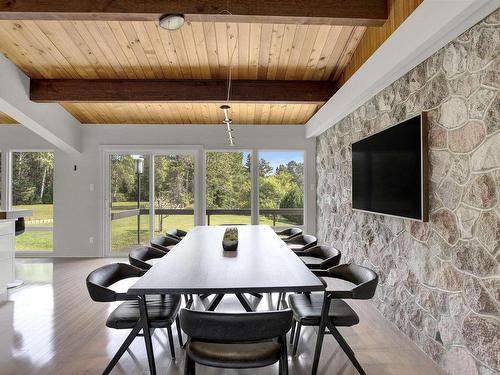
30	309
35	270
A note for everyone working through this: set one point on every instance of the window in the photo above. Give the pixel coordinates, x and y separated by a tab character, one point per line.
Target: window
174	192
229	187
281	188
32	189
129	199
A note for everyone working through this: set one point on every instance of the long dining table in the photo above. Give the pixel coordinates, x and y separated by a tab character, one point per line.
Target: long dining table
262	263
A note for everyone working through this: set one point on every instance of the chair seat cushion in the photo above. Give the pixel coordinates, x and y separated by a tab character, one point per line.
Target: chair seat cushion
307	310
234	355
162	311
311	260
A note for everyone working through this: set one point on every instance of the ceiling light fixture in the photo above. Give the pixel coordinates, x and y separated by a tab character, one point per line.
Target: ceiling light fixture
172	22
225	108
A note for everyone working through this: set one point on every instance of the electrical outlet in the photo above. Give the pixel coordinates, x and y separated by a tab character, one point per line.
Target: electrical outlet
91	187
91	240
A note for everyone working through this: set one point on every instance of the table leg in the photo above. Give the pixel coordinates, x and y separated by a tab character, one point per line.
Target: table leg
245	302
215	302
147	334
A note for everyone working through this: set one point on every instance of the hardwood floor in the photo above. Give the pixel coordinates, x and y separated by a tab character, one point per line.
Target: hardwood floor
50	326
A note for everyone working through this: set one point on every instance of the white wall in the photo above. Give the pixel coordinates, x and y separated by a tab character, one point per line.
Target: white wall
77	209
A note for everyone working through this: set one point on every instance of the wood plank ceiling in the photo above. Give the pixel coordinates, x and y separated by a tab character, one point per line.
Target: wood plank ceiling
199	50
6	120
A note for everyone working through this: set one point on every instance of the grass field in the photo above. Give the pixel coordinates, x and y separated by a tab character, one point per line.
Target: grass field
124	231
36	240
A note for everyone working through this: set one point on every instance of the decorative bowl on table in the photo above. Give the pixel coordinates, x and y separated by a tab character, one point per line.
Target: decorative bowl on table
230	239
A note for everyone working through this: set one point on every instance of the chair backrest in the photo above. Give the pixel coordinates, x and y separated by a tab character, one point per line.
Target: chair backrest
178	234
292	232
330	255
162	242
139	256
306	240
364	278
235	327
99	280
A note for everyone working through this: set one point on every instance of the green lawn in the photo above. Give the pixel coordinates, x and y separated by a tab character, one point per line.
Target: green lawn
36	240
40	211
124	231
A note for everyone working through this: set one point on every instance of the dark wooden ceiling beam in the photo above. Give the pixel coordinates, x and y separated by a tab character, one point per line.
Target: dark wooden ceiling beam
339	12
180	91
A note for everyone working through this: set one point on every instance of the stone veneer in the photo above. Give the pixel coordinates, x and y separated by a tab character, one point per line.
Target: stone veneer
439	281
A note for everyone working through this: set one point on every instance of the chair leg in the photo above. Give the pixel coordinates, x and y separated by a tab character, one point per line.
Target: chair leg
187	365
284	357
283	301
179	331
147	334
280	297
346	348
296	340
192	367
132	335
317	351
171	341
292	334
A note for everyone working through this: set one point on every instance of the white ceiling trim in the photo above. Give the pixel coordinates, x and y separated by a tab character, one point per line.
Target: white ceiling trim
430	27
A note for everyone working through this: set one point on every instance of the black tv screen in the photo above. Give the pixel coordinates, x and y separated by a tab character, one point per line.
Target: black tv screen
389	171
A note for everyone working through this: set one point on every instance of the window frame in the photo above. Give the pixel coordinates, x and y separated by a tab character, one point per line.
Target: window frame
8	175
253	216
306	179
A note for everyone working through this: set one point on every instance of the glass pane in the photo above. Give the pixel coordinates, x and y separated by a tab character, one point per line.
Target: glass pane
32	189
281	188
174	192
129	201
228	188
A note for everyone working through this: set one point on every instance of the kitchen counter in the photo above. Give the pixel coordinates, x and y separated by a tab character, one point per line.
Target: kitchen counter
15	214
7	253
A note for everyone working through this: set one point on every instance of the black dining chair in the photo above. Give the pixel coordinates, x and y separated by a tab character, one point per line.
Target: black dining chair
164	243
289	233
320	257
237	341
301	242
140	256
177	234
162	310
328	310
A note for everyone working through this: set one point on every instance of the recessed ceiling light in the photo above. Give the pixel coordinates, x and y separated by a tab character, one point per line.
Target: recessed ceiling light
172	21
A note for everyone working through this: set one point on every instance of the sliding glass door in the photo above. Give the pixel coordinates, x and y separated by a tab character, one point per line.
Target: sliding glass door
146	193
129	200
174	192
228	187
281	188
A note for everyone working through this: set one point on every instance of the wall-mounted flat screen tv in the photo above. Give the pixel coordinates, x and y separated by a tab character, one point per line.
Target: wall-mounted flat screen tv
390	169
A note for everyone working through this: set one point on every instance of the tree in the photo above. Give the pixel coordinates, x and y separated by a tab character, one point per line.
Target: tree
32	181
174	182
228	180
293	199
265	168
